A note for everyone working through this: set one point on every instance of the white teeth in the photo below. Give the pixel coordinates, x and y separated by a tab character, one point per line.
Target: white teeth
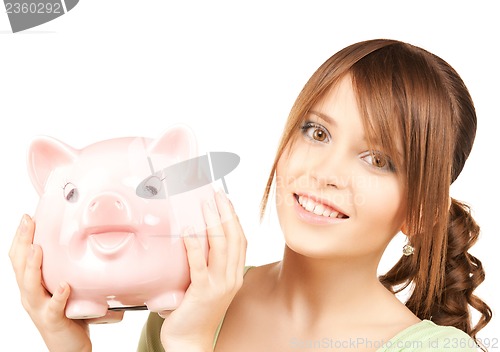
310	205
319	209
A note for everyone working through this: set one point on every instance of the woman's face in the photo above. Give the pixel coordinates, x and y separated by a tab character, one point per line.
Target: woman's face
335	197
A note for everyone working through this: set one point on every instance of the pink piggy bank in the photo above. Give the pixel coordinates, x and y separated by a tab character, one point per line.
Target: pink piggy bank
114	247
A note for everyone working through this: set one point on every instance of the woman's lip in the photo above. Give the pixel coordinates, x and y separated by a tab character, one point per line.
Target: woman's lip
321	201
312	218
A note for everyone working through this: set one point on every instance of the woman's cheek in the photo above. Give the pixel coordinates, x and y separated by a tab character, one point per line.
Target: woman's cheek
381	206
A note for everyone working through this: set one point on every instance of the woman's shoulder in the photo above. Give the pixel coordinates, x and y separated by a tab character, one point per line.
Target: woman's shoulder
428	336
256	279
248	267
262	270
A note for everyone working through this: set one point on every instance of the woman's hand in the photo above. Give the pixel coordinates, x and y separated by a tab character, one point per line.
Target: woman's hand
46	310
192	326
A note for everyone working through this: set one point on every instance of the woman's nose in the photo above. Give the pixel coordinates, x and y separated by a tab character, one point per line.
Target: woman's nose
334	170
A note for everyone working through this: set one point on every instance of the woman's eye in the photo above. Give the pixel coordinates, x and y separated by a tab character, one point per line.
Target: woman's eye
379	160
315	132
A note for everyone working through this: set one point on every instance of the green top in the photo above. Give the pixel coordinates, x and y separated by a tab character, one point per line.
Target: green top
423	336
427	336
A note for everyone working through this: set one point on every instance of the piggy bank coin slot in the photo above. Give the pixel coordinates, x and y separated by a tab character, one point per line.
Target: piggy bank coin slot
128	308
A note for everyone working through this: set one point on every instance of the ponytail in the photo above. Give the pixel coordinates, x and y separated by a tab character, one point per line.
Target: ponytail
462	274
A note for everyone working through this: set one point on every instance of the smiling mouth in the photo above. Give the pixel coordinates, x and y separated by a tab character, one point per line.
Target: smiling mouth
317	208
110	243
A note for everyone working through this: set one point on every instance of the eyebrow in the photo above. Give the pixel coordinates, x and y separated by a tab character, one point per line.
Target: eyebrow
324	117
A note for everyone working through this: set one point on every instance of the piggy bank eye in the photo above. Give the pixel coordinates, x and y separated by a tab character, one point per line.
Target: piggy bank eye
152	187
70	192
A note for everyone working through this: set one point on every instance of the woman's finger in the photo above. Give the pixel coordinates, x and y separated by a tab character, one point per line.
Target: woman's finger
195	255
21	246
22	235
57	304
34	293
242	256
217	255
234	235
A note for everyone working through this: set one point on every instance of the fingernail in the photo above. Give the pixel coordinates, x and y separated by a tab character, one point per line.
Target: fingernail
184	233
225	198
188	232
230	203
222	195
211	205
31	252
61	288
23	226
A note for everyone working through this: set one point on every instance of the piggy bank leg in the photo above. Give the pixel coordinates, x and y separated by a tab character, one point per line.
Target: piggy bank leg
165	301
85	309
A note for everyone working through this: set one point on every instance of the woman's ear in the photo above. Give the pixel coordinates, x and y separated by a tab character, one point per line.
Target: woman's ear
404	228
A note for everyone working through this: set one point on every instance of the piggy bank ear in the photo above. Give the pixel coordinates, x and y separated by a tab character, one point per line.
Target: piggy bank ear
178	142
46	154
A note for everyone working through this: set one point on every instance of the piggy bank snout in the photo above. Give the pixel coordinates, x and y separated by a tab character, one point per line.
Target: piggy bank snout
105	209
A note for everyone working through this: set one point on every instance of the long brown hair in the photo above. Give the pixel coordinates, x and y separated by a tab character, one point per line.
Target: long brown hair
418	110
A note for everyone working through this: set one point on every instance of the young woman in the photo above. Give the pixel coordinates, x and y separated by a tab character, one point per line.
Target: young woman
370	148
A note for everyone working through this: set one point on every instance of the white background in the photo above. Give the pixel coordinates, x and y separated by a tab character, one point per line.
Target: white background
230	70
